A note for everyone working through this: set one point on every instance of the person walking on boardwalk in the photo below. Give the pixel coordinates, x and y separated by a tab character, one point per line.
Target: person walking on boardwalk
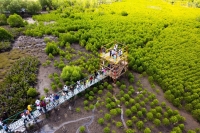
47	100
29	107
43	105
56	97
37	102
87	82
52	100
84	83
39	108
65	89
78	85
24	118
91	78
95	74
27	113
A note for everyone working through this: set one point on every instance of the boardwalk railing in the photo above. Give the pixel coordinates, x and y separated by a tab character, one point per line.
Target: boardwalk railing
18	124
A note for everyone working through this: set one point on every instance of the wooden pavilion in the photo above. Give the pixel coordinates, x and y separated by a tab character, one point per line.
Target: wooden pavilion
114	59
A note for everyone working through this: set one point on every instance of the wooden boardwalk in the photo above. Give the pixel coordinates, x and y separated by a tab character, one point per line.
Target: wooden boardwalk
18	125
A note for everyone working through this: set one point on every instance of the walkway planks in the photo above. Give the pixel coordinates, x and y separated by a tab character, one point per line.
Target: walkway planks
19	124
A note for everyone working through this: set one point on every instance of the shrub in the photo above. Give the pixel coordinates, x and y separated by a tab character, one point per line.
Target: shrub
140	125
165	121
124	13
33	7
106	130
82	129
113	104
91	93
101	121
119	124
147	130
191	131
158	109
5	35
150	116
109	87
130	131
108	106
118	83
144	111
71	73
173	119
105	84
134	109
157	122
181	126
91	106
129	123
51	48
113	112
131	101
85	102
127	97
108	100
158	115
123	87
126	104
122	99
15	21
177	130
100	92
134	118
107	116
109	94
86	108
78	110
46	90
3	19
139	114
32	92
128	112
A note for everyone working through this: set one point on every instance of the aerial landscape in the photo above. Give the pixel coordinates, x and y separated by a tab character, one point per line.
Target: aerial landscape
99	66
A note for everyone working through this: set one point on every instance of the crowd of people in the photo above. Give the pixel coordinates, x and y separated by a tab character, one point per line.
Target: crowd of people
53	99
115	52
82	84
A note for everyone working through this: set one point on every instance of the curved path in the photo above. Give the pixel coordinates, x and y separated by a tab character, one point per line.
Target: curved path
87	124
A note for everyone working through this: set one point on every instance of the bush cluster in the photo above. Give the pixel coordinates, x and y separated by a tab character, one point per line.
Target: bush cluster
16	84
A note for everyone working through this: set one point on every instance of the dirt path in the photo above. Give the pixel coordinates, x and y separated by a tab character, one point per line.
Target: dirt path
190	122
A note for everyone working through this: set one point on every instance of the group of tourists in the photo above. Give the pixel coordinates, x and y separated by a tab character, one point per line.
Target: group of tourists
82	84
114	53
27	114
53	99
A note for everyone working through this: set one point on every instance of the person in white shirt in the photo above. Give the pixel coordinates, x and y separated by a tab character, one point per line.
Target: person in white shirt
37	102
24	118
39	109
47	100
65	89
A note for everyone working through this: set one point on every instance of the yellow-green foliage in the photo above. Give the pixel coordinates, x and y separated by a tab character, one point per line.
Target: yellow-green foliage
163	40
